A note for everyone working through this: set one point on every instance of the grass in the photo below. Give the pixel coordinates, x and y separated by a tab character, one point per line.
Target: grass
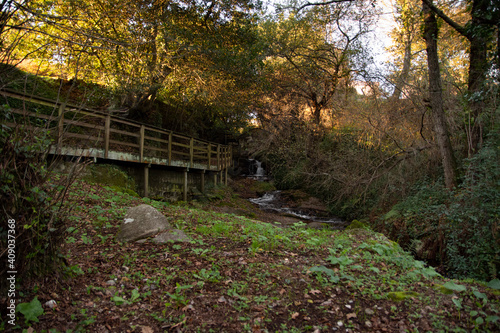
243	275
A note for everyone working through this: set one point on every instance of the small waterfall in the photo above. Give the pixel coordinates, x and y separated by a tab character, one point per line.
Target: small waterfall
255	169
260	169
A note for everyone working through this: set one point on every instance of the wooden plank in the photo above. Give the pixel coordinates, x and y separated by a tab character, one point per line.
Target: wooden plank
135	135
155	139
33	114
79	123
126	122
180	145
134	145
151	129
82	136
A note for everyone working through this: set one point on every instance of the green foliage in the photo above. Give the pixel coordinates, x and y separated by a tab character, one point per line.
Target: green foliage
355	224
458	228
31	310
31	194
401	295
455	287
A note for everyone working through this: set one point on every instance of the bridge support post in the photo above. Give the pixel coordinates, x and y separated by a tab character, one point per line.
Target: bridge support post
146	179
225	177
215	178
184	195
220	177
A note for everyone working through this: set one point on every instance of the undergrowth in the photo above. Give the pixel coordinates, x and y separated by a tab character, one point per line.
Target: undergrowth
457	229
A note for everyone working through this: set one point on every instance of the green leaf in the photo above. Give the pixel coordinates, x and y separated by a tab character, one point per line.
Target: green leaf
321	269
457	302
494	284
480	295
135	295
492	319
479	320
329	272
119	300
31	310
473	313
453	286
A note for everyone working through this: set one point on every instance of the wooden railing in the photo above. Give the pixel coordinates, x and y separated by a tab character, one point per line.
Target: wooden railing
80	131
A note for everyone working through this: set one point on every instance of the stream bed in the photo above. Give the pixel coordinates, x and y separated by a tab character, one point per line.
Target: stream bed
273	202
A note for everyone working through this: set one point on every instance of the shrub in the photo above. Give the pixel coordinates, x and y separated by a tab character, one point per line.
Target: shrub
457	229
32	194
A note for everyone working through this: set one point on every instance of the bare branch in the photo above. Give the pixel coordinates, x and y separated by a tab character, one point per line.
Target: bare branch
326	3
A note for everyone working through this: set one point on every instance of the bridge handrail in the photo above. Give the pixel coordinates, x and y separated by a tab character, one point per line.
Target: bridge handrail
186	148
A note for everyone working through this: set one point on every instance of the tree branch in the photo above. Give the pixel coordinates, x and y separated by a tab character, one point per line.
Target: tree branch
461	30
308	4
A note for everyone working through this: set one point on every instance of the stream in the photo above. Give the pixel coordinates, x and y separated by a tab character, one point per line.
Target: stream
272	202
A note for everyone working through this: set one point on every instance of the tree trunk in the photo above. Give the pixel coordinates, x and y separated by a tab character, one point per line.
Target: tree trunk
436	97
477	34
403	77
479	31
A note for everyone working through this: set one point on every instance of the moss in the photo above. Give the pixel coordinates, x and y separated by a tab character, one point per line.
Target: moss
401	295
262	187
355	224
109	175
125	190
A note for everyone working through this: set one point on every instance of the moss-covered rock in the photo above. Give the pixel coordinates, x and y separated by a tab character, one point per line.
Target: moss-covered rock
125	190
109	175
355	224
262	187
401	295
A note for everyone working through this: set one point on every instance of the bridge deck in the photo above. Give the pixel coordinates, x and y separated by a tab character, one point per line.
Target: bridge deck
78	131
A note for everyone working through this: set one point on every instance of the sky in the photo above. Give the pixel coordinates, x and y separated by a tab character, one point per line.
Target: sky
380	37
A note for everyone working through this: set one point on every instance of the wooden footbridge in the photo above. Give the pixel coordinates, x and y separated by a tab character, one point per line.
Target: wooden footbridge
81	132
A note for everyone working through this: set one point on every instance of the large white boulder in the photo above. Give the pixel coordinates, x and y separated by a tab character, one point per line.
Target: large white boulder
141	222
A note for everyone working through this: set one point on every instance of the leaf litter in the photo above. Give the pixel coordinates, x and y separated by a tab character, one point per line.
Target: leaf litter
243	275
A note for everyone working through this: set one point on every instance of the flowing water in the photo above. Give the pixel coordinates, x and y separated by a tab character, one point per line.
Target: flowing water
272	202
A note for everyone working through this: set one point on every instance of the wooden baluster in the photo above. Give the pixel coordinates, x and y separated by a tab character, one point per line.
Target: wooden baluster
191	152
209	153
218	157
170	148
